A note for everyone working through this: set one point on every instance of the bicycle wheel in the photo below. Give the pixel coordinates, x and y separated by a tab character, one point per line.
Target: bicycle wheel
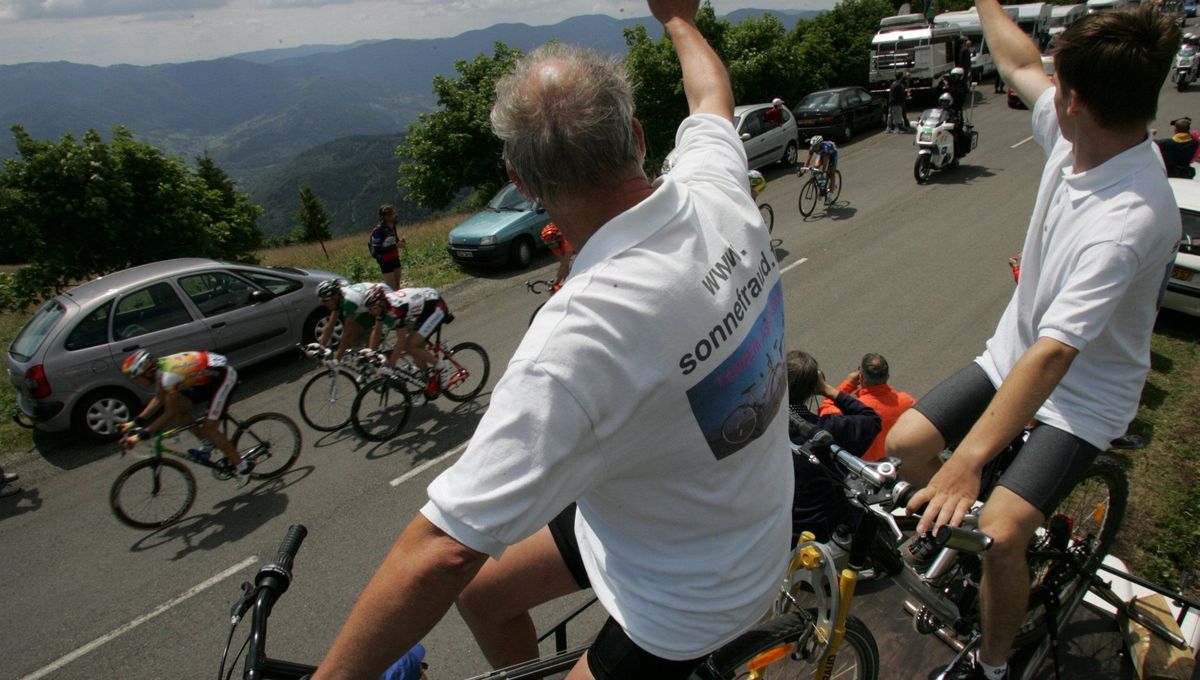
535	313
809	196
768	216
152	493
272	441
327	398
777	649
739	424
380	410
471	368
835	179
1084	525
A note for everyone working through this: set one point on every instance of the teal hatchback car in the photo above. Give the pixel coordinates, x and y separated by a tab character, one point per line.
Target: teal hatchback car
508	230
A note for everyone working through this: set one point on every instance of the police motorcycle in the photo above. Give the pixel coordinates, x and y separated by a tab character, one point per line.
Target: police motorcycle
938	138
1187	65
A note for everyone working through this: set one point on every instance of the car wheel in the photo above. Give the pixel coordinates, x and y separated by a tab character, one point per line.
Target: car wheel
790	154
847	132
314	326
521	253
883	120
99	413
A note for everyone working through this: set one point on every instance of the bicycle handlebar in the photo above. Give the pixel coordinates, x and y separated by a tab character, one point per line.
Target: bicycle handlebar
533	286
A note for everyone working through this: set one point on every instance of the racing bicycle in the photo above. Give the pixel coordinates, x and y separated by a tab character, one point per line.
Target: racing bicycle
768	216
537	288
382	405
788	645
820	186
327	399
157	491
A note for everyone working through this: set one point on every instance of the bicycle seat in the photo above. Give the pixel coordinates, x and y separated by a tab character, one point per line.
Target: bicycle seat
448	319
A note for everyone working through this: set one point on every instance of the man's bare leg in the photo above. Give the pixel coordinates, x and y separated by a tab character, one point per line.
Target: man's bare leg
1004	594
916	442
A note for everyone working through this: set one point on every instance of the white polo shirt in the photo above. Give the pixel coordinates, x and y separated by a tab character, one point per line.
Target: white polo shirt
1095	262
649	389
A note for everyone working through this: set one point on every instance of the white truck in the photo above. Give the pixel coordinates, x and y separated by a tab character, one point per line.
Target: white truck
1034	19
909	43
967	21
1102	5
1061	18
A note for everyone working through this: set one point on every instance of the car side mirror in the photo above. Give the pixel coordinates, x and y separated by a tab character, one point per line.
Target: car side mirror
257	296
745	136
538	208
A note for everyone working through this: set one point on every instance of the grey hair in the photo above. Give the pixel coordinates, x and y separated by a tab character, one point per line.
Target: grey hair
565	116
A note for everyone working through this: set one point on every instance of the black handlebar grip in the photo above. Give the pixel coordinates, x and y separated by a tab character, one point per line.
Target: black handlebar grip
905	496
965	540
805	429
290	546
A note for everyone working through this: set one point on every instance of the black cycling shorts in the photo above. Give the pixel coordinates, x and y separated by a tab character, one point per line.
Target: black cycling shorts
613	656
1049	464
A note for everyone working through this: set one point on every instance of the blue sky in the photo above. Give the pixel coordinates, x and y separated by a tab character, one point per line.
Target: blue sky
157	31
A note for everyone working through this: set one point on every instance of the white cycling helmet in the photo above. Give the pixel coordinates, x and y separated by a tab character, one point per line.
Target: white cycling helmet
777	102
957	71
329	288
946	99
815	141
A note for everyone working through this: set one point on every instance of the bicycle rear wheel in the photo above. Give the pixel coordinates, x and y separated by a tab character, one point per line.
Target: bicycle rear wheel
1084	525
835	181
327	398
380	410
272	441
768	215
808	197
471	368
777	649
152	493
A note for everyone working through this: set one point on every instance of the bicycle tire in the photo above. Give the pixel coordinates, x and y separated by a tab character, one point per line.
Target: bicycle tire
1095	508
535	313
472	367
836	179
857	659
768	215
380	410
161	477
274	444
809	195
332	397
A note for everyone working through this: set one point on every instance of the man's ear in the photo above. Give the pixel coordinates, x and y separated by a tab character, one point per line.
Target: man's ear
512	175
639	136
1075	105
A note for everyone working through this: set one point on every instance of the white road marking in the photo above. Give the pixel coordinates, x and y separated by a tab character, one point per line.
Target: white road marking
114	634
793	265
425	466
1021	142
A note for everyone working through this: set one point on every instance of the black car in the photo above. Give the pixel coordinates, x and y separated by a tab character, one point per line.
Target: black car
838	112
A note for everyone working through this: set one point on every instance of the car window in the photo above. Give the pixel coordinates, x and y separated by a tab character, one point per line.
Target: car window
278	285
91	331
150	309
787	116
847	100
818	100
863	97
1191	230
755	123
509	198
34	333
216	292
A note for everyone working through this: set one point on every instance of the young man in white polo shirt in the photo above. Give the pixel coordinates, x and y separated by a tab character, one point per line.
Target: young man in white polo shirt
648	390
1073	346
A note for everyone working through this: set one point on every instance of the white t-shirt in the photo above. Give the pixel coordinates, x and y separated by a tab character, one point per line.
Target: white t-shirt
649	389
1095	263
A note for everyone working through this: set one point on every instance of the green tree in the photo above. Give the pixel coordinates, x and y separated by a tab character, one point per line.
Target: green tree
74	209
454	147
312	222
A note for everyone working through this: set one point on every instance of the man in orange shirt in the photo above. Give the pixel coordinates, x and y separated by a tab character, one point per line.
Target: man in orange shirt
870	385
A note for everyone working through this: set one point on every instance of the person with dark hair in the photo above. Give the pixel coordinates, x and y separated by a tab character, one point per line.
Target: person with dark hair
870	385
897	97
1072	348
1179	149
386	244
819	504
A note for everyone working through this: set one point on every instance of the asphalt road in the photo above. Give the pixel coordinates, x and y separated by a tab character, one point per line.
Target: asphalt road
917	273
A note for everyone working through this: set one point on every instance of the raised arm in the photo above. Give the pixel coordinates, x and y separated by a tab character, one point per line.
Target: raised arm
705	80
1017	58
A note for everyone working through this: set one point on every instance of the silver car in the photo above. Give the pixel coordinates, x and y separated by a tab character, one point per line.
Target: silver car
65	363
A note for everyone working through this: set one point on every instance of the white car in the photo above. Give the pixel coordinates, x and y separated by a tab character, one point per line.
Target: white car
764	141
1183	288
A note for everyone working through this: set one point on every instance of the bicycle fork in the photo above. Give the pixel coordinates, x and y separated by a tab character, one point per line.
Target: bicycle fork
847	581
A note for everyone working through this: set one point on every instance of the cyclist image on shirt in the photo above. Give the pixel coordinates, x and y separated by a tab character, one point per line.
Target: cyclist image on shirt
415	314
180	382
347	303
823	155
562	251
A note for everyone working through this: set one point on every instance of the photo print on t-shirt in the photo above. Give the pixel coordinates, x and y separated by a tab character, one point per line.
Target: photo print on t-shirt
739	398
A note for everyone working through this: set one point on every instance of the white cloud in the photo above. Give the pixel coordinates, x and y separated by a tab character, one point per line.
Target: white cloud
291	4
75	9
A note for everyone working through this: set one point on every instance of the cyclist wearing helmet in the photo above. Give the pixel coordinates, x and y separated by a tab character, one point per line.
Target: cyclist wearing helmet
348	302
180	382
757	183
416	314
823	155
562	250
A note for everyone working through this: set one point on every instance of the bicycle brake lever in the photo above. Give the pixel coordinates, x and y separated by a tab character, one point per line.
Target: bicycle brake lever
243	604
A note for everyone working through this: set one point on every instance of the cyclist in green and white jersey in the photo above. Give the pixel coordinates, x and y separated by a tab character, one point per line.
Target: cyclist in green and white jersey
348	302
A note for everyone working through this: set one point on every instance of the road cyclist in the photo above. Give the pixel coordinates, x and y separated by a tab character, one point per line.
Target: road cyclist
825	183
758	184
416	314
347	304
562	251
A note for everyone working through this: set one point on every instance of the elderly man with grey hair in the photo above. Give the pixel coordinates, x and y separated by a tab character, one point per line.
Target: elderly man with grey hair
635	443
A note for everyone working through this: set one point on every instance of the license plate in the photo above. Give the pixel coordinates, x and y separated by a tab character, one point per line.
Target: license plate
807	121
464	253
1181	274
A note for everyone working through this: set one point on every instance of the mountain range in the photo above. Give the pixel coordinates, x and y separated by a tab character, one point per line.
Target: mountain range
266	116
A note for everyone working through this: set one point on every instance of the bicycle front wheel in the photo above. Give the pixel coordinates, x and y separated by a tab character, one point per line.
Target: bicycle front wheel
272	441
152	493
380	411
768	216
777	650
1083	525
470	371
327	398
809	196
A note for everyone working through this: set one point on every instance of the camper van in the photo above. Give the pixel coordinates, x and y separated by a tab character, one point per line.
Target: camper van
908	42
1034	19
1102	5
1061	17
967	21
